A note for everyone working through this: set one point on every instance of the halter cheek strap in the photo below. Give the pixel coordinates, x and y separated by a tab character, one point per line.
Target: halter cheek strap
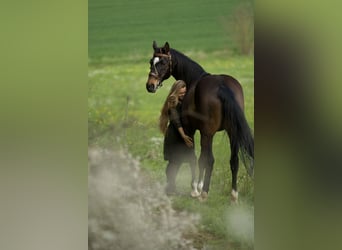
168	55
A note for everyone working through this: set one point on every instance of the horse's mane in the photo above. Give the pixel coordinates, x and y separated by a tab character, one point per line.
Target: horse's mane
185	68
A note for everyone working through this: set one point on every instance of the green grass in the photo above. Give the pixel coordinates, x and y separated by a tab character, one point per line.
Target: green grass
121	114
127	28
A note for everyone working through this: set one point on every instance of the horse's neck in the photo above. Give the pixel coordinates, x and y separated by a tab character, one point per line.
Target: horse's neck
185	69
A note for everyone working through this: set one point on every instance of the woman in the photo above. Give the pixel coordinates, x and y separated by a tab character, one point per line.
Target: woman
178	147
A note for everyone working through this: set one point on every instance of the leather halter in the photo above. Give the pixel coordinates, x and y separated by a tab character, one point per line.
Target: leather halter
168	55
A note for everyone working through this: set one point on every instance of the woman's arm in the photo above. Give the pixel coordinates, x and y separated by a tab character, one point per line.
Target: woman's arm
175	119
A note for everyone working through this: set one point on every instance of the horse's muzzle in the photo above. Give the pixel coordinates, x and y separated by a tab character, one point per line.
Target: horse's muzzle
150	87
152	82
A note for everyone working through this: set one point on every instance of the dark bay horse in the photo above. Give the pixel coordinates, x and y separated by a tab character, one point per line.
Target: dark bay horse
212	103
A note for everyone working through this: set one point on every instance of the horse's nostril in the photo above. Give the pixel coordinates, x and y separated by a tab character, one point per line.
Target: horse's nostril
150	87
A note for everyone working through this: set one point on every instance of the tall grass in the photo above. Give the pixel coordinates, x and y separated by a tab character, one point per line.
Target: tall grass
241	27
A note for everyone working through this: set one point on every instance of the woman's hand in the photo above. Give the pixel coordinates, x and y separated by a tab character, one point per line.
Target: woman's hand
188	141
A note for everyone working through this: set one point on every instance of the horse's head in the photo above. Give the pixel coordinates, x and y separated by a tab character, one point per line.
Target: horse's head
160	67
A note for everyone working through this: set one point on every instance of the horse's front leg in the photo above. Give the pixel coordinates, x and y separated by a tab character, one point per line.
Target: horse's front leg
194	183
200	178
206	161
193	164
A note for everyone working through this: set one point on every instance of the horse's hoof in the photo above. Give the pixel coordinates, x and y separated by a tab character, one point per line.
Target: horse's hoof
203	197
195	194
234	197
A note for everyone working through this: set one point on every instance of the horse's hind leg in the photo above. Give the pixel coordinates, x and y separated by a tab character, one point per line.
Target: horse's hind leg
234	166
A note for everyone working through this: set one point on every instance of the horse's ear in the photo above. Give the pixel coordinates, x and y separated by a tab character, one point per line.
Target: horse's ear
154	45
167	47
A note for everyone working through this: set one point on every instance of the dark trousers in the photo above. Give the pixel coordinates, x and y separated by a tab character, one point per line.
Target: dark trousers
173	167
171	173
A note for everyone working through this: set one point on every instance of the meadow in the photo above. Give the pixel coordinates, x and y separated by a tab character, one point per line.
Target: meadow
123	115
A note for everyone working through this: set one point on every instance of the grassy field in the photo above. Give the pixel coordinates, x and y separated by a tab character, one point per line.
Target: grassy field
121	114
125	30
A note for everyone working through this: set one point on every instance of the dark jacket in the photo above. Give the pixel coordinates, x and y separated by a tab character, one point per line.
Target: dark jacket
175	148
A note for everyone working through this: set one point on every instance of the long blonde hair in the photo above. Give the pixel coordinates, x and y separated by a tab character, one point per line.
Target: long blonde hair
170	102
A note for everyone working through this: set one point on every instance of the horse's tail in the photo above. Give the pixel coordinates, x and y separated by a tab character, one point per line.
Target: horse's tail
235	123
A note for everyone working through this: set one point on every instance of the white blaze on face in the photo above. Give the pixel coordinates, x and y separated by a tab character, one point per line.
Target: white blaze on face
155	61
